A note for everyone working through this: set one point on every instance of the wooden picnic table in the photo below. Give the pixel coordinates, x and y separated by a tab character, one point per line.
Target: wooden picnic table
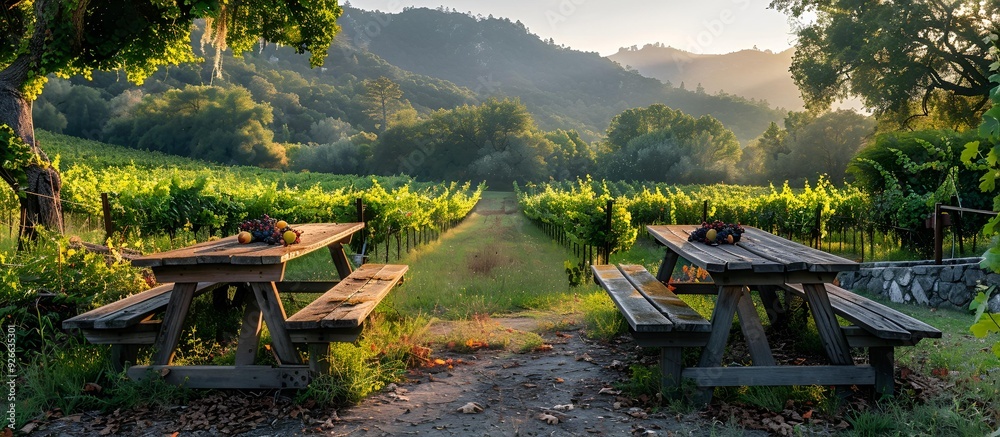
765	262
259	269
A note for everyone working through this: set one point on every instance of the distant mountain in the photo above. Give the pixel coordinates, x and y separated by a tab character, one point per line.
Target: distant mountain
562	88
754	74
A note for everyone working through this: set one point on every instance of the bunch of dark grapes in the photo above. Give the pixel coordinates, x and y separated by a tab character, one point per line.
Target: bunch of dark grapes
725	233
263	230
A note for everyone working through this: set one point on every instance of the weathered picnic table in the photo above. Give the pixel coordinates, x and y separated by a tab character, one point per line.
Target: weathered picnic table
766	263
337	315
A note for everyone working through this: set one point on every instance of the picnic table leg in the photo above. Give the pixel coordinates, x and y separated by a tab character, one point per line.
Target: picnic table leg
340	259
722	320
667	266
122	355
173	322
246	348
274	315
753	331
882	359
776	312
830	333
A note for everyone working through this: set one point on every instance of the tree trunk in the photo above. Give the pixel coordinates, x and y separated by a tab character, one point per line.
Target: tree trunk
39	197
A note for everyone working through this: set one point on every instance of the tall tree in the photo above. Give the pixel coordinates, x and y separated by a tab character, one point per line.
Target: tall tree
904	58
382	100
66	37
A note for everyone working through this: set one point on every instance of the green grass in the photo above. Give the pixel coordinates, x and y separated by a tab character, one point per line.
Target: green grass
494	263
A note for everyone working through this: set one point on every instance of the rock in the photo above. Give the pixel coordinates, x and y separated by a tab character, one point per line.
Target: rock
918	293
994	304
888	274
895	293
992	279
972	276
960	296
904	278
920	270
947	274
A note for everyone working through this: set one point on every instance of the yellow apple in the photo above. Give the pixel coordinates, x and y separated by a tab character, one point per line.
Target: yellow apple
289	237
244	237
281	225
710	235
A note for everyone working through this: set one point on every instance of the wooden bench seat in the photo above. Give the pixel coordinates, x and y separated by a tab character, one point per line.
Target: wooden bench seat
874	318
656	317
127	321
344	308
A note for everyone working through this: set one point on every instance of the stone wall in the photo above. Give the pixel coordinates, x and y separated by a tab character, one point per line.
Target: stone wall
951	285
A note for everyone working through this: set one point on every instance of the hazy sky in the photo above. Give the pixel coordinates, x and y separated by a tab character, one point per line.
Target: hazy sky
712	26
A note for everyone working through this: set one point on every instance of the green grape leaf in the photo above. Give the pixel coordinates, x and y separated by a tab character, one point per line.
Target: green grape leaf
975	304
995	94
988	183
970	151
990	128
996	351
984	327
991	259
992	157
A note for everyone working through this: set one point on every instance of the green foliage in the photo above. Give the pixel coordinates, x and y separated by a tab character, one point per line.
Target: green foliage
843	49
15	155
985	323
602	319
661	144
908	173
204	122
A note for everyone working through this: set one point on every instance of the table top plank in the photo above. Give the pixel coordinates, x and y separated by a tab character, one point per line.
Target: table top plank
683	316
757	250
229	251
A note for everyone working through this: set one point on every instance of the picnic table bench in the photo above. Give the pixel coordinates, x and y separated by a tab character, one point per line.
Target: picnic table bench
337	315
764	262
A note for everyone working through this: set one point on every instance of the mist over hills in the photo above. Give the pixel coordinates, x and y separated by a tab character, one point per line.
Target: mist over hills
754	74
563	88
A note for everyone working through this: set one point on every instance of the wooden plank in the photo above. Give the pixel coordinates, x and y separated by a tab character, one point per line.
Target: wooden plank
880	324
882	360
638	312
860	338
786	252
767	246
677	242
753	331
233	377
87	319
353	312
305	286
695	288
722	320
915	327
141	311
670	339
832	337
752	279
740	258
344	335
671	365
340	259
219	273
229	251
139	334
274	315
310	316
667	266
250	330
780	375
173	322
680	314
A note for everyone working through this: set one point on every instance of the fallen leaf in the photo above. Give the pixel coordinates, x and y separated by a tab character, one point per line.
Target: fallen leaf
164	371
543	348
6	432
27	429
585	357
566	407
807	414
530	385
439	362
609	391
563	335
91	387
559	380
471	408
548	418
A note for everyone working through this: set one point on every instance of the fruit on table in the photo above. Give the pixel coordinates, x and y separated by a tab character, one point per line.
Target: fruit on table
290	237
281	225
711	234
244	237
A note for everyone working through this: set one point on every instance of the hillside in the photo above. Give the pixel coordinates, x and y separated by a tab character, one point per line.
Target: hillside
754	74
562	88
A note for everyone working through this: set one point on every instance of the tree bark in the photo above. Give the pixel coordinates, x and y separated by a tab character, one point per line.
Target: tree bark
39	198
